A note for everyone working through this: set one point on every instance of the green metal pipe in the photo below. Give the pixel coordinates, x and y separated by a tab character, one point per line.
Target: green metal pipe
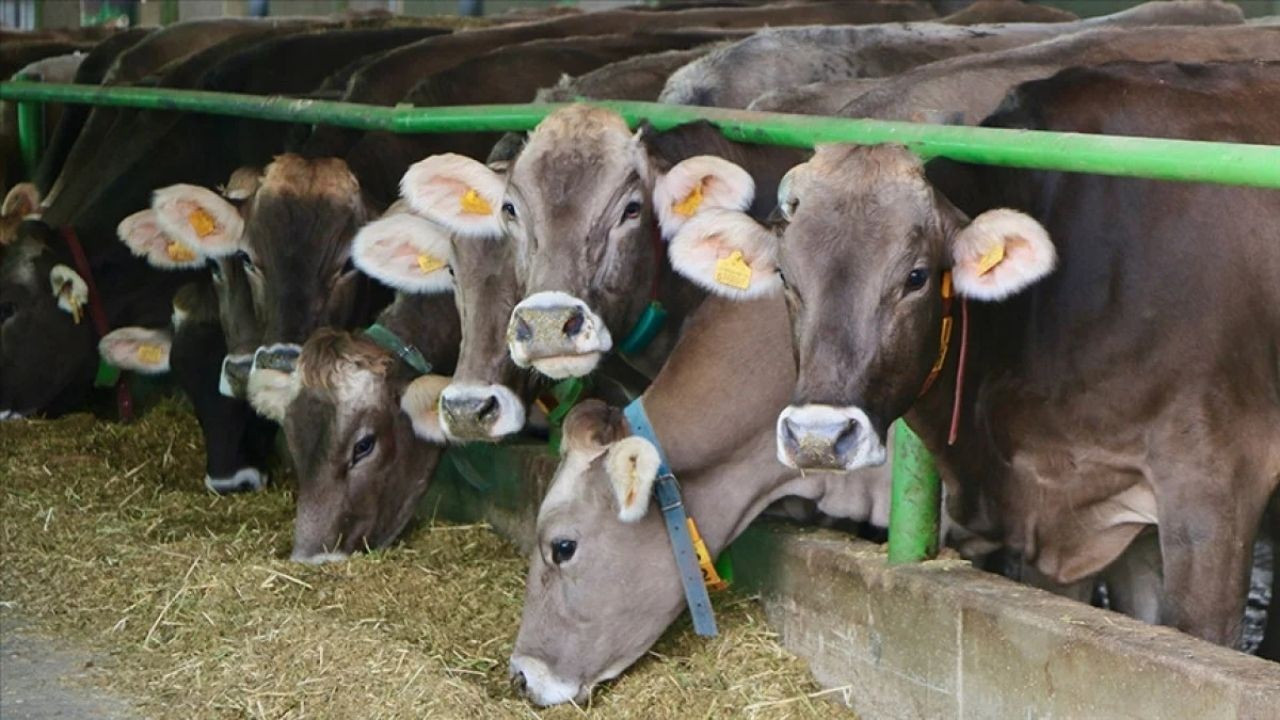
30	134
1160	159
915	500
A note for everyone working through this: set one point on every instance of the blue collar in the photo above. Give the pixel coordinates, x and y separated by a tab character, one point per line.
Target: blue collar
667	492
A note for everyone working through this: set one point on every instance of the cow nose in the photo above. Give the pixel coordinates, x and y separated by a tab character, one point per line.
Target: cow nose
524	331
573	325
518	682
474	412
824	438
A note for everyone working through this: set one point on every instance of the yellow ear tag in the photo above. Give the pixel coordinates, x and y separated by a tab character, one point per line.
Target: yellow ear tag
710	577
990	259
150	354
429	263
178	252
473	204
202	222
733	271
77	311
689	205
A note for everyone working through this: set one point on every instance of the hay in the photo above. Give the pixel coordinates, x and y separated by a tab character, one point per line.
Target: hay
108	537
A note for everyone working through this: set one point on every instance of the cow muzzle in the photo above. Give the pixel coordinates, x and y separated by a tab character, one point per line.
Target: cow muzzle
272	382
234	381
480	412
532	679
824	437
557	335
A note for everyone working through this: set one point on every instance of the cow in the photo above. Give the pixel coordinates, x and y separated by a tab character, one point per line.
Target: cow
782	58
580	202
580	624
1113	382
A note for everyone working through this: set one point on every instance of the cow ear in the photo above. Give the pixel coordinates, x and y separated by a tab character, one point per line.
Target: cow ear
273	380
22	200
699	183
999	254
405	252
141	231
70	289
421	402
242	184
141	350
728	253
632	465
199	218
457	192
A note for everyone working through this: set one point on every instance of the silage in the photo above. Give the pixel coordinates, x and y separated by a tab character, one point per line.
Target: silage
109	538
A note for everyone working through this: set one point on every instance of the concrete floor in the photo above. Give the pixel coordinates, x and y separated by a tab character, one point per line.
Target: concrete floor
41	679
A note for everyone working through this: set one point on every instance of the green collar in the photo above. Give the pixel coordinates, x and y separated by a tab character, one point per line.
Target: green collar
391	342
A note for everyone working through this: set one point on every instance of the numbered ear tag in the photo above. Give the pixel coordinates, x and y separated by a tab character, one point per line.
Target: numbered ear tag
178	252
429	263
733	271
473	204
148	354
990	259
689	205
710	577
202	222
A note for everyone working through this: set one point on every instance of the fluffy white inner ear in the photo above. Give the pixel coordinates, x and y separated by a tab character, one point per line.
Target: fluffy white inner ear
199	218
70	289
728	253
703	182
22	200
999	254
632	466
421	402
457	192
271	391
404	252
138	349
141	231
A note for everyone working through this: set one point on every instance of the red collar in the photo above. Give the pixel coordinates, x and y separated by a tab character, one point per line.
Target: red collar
944	344
97	314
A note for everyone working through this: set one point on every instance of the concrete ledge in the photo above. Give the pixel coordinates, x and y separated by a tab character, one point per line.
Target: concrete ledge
934	640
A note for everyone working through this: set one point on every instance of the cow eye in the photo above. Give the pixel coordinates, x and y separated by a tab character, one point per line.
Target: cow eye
631	211
362	448
562	550
509	211
917	278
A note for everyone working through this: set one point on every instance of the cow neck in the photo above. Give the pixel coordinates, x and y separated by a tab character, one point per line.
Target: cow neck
383	337
944	344
697	571
97	316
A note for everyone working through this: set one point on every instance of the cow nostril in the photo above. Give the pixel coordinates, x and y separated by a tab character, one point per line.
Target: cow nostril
848	438
488	408
524	333
789	435
573	325
518	682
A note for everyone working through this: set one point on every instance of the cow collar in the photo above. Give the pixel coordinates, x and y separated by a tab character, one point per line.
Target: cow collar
697	572
944	344
107	374
391	342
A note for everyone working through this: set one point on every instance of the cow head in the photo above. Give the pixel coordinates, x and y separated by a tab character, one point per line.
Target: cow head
45	329
355	425
413	254
290	235
578	205
862	260
21	203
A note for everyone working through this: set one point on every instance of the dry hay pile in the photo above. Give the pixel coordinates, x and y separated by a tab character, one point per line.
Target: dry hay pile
108	537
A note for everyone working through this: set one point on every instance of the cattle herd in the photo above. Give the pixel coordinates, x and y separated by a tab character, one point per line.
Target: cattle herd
1094	361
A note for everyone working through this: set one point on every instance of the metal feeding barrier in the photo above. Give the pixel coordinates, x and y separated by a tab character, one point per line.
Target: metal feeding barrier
914	509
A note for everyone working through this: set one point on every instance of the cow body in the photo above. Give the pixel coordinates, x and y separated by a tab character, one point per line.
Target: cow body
1134	386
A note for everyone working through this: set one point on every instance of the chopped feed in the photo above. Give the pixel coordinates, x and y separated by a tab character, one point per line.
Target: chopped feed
108	537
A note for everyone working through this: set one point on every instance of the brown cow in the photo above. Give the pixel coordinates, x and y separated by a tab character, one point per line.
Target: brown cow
1121	375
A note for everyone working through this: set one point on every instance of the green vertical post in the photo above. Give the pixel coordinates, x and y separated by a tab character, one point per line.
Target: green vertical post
915	501
30	133
169	12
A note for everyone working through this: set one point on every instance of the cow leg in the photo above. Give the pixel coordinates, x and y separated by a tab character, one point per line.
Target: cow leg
1206	531
236	441
1134	580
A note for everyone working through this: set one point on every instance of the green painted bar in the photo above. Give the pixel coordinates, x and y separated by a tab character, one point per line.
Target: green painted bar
915	501
30	116
1185	160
